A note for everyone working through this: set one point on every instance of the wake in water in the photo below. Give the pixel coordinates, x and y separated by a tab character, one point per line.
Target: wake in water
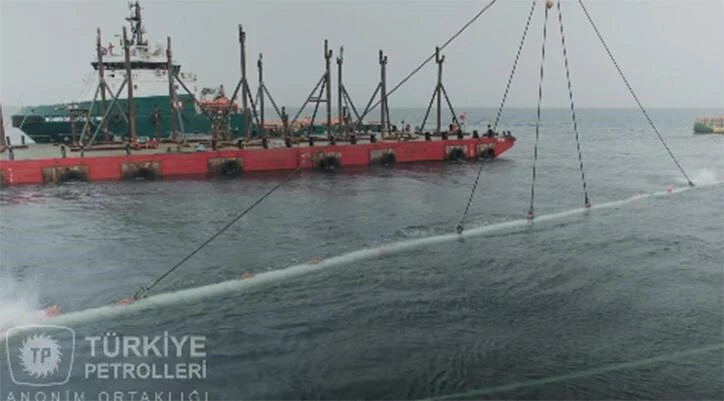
18	303
705	177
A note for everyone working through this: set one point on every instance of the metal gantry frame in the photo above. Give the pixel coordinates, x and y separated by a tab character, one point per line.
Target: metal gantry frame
438	93
382	90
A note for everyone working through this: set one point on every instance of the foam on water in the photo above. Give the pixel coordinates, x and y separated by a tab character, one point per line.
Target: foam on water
18	303
231	286
706	177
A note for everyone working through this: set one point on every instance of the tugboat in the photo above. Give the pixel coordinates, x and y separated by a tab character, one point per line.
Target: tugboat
59	123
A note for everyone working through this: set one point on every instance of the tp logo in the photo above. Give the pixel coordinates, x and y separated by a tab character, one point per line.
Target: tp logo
40	355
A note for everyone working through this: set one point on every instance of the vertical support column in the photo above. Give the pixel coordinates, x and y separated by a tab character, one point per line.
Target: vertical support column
171	91
439	60
2	127
129	82
328	83
102	83
340	90
244	85
285	122
260	65
383	95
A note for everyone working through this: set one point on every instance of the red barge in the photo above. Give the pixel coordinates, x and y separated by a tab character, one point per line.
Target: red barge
257	147
155	163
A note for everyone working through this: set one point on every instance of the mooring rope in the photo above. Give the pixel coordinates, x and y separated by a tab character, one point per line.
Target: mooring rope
143	290
643	110
461	225
515	65
427	60
586	200
531	213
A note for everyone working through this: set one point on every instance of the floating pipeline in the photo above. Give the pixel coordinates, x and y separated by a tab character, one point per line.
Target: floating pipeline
234	162
248	281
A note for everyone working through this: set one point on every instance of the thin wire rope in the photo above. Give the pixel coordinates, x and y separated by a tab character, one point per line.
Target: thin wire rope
537	123
424	63
643	110
586	200
461	225
141	292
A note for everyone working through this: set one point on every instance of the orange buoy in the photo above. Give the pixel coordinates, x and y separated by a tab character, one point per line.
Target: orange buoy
669	189
126	301
51	311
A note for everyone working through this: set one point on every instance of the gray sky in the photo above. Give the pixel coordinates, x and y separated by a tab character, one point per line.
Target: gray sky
671	51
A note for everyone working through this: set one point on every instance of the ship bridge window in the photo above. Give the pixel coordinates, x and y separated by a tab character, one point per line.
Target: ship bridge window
136	65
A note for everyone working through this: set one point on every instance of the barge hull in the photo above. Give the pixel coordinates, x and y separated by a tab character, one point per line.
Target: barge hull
237	161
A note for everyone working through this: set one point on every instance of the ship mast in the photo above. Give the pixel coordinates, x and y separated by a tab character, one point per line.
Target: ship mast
136	24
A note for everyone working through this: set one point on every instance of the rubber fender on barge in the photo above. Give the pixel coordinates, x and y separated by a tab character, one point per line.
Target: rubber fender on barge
328	161
147	171
486	151
456	153
383	157
61	174
229	167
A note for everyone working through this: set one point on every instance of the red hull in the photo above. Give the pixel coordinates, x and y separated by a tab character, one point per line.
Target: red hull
168	165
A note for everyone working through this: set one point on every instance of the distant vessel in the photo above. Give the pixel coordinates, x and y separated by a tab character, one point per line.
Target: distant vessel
709	125
54	123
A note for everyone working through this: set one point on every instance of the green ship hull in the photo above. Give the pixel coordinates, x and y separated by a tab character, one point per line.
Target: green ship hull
52	123
63	123
709	125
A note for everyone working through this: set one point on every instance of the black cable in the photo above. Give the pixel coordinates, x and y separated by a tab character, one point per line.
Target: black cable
416	70
515	64
141	293
586	201
643	110
460	226
537	123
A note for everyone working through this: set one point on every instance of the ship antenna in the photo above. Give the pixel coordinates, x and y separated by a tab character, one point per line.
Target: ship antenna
136	23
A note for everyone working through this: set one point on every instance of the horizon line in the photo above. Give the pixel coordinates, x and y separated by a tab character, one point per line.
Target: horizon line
566	107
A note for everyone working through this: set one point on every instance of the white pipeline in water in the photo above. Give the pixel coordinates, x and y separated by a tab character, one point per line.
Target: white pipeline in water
227	287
